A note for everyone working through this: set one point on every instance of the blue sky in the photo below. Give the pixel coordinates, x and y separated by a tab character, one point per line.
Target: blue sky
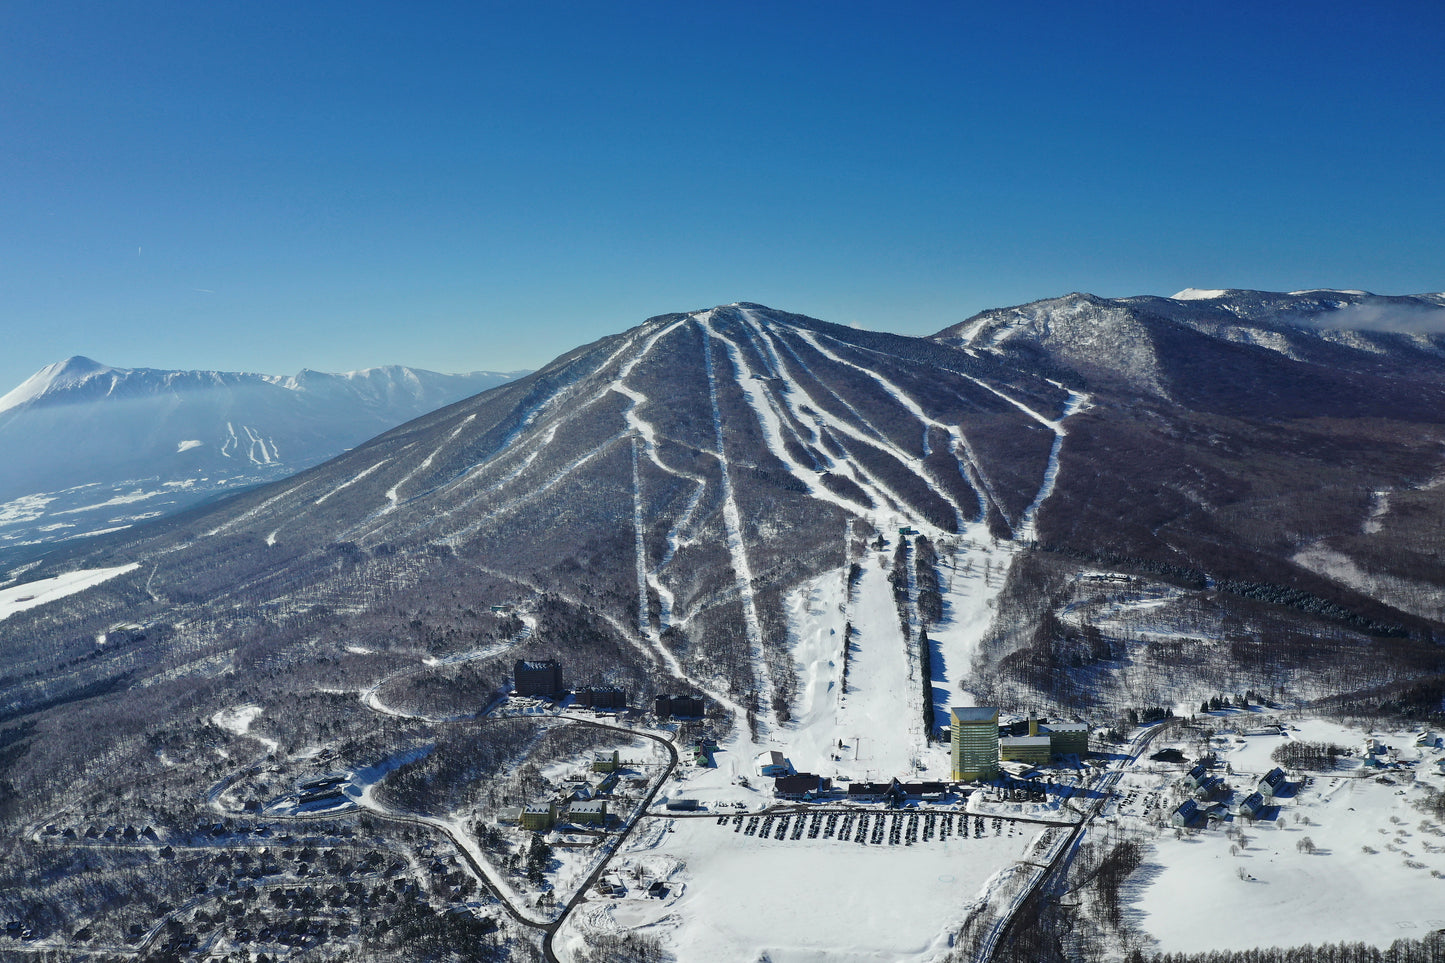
265	186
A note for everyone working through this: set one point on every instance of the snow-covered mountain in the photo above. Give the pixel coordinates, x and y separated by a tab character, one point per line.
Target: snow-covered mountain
1143	341
829	535
91	447
669	486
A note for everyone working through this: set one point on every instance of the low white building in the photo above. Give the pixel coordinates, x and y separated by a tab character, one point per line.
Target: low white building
773	764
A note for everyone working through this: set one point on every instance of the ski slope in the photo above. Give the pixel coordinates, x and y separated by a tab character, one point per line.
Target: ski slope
28	595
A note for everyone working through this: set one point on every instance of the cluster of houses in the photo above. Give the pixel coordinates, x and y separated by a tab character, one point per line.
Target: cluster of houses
978	748
580	802
1208	792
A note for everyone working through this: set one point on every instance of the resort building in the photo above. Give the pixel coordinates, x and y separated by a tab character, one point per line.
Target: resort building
974	742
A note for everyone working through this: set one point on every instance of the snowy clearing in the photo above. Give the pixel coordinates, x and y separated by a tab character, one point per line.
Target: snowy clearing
28	595
238	720
738	897
1376	872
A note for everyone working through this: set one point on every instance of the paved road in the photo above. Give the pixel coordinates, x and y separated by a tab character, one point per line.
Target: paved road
1052	879
547	942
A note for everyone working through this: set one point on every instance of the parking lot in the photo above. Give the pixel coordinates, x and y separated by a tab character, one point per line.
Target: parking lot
873	827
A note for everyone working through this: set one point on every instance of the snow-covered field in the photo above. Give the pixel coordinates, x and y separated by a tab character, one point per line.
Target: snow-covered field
1377	872
27	595
738	897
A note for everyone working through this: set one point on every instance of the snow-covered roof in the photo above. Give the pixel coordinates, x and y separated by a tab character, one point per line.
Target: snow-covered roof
1025	742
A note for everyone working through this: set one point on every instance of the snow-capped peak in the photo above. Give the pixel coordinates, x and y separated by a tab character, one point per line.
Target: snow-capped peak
54	377
1199	294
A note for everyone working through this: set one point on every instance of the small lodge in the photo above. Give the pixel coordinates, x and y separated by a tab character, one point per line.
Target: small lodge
1215	813
870	791
773	763
1272	783
602	697
1209	788
592	812
895	793
1252	806
804	785
1195	776
539	817
1185	813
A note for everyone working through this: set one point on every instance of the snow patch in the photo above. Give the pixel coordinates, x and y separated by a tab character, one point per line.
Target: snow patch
28	595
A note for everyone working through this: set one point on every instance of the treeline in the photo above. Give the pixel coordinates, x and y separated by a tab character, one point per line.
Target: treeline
1257	591
1430	949
898	578
1420	701
930	592
1217	702
1310	604
1109	879
1308	755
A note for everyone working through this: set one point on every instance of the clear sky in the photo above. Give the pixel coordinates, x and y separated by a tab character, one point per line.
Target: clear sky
265	186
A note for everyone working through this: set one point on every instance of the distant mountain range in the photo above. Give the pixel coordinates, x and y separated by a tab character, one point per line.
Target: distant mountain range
89	447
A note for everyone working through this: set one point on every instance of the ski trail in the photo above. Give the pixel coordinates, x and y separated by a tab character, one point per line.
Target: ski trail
351	481
770	420
1027	530
256	441
956	438
469	474
647	432
252	513
757	331
877	433
824	420
231	441
674	539
971	472
507	508
644	621
528	458
393	493
733	524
